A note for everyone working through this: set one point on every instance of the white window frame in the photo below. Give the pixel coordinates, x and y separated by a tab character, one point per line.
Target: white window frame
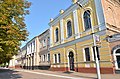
69	19
115	58
84	55
53	58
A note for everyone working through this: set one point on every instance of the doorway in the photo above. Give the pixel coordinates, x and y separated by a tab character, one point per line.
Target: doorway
71	60
117	58
118	61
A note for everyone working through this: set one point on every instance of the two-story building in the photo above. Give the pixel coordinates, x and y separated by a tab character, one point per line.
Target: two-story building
71	36
32	56
44	43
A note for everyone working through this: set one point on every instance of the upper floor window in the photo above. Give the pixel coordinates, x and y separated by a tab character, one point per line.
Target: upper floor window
44	43
48	41
31	47
40	44
87	19
56	33
69	29
34	46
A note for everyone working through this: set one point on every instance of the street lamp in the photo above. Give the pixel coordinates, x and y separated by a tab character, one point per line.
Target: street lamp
94	45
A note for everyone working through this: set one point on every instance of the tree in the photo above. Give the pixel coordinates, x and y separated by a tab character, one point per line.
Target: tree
12	27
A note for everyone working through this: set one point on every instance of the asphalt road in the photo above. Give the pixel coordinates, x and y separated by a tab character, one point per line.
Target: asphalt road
23	74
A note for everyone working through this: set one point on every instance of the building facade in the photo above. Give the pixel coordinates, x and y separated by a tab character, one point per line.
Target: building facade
44	43
23	53
32	56
12	62
18	61
71	36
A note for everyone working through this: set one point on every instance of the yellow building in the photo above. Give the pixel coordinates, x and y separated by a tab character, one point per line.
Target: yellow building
71	40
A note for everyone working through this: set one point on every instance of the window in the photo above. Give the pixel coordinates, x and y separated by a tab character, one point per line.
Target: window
40	58
87	54
87	19
31	47
48	57
69	29
56	33
59	58
48	41
118	51
44	43
40	44
44	57
34	46
55	58
97	50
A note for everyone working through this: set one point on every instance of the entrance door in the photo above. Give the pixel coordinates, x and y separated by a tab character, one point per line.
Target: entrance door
71	61
118	61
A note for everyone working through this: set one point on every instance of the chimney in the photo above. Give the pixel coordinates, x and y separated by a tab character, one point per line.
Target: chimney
61	11
74	1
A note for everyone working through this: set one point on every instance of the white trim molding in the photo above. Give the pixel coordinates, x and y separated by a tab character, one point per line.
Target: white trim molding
62	30
100	15
115	57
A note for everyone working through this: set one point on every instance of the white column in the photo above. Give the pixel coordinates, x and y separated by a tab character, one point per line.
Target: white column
100	15
62	30
51	36
37	51
76	26
53	58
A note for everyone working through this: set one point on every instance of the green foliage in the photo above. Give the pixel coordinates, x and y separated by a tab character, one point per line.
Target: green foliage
12	27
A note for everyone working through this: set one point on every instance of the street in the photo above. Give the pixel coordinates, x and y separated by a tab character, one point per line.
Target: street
44	74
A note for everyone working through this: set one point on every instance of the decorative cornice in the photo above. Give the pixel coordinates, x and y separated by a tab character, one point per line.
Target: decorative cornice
68	11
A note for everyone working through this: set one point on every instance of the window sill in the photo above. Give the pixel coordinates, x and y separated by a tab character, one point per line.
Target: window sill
69	37
58	42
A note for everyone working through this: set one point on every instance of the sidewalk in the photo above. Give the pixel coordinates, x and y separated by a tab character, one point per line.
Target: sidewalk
73	74
81	75
3	69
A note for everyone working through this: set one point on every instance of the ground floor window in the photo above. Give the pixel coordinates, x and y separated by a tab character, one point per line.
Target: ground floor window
55	58
44	58
97	51
48	57
59	58
87	54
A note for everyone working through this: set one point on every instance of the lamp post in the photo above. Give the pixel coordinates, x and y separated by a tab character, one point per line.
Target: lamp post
94	45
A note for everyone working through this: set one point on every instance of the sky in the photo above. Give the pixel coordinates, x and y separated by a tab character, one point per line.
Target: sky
40	13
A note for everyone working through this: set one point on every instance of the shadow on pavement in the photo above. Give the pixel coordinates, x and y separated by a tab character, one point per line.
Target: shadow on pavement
9	74
67	72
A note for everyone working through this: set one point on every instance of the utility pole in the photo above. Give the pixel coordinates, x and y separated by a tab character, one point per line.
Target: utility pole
94	46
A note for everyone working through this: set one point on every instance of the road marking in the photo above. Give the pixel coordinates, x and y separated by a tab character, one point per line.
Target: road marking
50	74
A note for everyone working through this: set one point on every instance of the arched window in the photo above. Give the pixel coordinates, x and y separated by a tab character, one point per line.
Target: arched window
56	33
69	28
87	19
